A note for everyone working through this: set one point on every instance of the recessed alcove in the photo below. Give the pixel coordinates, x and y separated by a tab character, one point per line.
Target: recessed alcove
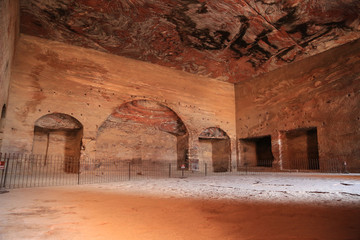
58	136
301	149
142	131
256	152
215	149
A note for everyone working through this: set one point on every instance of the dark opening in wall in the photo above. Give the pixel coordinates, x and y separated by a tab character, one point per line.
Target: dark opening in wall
301	149
256	152
3	112
2	119
215	149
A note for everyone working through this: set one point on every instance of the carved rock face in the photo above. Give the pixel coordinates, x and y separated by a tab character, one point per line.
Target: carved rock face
58	121
231	40
148	113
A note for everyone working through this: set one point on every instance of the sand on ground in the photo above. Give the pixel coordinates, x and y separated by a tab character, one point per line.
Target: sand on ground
106	212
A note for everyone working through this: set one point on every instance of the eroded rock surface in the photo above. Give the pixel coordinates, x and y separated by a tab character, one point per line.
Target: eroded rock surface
229	40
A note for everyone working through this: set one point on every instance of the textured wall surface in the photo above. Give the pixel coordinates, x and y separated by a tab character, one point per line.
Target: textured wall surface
57	135
322	92
9	30
215	149
230	40
91	86
141	130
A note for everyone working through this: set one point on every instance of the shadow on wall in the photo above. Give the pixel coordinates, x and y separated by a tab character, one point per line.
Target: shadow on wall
2	119
142	130
215	149
256	152
60	135
2	122
300	149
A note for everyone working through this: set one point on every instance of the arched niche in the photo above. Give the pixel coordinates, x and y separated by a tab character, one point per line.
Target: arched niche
58	136
142	130
215	149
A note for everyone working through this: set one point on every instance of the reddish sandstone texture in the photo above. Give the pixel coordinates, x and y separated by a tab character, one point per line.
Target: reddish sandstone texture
151	114
294	104
128	109
230	40
9	30
58	121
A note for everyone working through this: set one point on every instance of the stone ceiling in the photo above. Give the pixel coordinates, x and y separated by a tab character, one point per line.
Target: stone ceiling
231	40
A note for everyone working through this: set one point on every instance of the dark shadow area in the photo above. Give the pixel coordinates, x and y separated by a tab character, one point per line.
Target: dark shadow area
312	149
256	151
3	112
302	149
2	119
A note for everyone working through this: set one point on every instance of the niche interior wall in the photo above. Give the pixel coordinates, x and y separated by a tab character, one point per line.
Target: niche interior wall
215	150
58	136
142	131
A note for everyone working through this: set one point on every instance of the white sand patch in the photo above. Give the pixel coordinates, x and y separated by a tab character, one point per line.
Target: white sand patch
303	188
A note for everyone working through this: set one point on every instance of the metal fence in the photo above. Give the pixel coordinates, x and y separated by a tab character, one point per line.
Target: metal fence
27	170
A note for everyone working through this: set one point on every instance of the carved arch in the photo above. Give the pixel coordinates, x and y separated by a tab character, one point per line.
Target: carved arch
60	135
142	130
215	149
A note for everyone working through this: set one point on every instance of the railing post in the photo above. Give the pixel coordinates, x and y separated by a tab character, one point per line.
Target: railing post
345	167
205	169
169	170
78	172
3	175
6	170
182	170
2	171
129	170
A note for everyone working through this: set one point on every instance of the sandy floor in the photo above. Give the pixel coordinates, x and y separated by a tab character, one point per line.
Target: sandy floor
217	208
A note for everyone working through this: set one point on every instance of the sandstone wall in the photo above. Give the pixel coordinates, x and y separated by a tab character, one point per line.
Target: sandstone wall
88	85
9	31
320	93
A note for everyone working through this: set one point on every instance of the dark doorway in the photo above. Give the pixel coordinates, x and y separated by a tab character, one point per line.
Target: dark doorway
256	151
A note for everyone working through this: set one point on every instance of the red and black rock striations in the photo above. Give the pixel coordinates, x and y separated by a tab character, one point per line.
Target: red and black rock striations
148	113
231	40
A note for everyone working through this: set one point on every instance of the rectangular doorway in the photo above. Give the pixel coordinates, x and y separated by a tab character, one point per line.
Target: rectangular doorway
256	152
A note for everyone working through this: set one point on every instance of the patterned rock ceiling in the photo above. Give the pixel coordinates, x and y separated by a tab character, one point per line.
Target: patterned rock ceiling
231	40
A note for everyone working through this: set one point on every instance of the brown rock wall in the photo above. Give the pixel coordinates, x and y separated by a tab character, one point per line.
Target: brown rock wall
321	92
90	86
9	31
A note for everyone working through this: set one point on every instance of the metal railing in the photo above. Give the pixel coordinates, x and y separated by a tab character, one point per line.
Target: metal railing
27	170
